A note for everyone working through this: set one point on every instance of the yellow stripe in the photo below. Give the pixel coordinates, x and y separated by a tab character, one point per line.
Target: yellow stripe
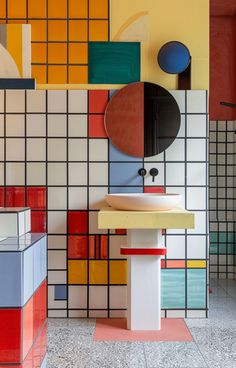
14	44
196	264
80	86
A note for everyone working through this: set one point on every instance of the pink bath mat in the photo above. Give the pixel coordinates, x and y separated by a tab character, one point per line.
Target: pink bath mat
172	329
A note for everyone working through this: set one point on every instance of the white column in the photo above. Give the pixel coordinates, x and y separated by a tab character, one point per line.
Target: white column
144	282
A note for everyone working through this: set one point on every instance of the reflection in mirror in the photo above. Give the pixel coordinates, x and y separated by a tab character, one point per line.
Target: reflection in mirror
142	119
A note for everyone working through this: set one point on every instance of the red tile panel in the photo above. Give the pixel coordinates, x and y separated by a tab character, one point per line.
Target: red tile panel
39	307
96	126
36	198
77	247
154	190
28	327
98	246
97	101
38	221
10	335
2	191
15	197
77	222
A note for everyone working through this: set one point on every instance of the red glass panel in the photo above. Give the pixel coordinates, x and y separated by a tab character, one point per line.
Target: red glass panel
77	222
98	101
36	198
10	335
96	126
2	197
77	247
38	221
154	190
15	197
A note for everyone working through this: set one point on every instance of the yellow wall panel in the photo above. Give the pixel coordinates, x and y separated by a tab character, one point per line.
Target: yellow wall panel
37	8
118	272
196	264
183	20
98	272
77	272
78	8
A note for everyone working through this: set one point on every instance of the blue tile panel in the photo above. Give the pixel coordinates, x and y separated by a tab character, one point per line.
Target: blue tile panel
172	289
196	288
126	190
21	273
125	174
10	279
117	155
60	292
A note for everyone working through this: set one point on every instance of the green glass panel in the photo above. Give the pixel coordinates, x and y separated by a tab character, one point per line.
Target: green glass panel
196	288
173	289
113	62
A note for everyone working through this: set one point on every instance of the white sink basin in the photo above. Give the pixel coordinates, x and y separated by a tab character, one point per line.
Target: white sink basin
143	201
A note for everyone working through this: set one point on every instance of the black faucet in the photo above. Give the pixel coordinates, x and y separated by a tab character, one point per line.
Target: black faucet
154	172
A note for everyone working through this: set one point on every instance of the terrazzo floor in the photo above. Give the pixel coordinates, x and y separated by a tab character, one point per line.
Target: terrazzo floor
70	343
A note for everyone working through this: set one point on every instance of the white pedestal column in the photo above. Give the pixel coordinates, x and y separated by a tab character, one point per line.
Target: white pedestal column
144	281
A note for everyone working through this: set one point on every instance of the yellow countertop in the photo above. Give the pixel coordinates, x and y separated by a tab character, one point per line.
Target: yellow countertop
110	218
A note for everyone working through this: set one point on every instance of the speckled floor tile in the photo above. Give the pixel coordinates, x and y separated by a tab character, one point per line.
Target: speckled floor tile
217	345
173	355
117	355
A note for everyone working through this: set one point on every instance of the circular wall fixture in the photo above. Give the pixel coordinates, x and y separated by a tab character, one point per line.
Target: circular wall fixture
174	57
142	119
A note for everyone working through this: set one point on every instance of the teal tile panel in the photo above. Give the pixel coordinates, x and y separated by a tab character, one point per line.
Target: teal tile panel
196	288
222	248
222	237
113	62
173	289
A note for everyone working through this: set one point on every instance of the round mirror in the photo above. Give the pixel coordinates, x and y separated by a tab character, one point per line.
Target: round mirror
142	119
174	57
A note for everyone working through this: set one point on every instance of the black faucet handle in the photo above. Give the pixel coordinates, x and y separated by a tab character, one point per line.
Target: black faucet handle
154	172
142	172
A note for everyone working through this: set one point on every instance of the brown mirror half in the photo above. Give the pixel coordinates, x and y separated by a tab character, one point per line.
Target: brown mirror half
142	119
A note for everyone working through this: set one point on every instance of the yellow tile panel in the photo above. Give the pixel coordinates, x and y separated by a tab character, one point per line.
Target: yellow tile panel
37	8
57	8
196	264
39	30
57	74
57	53
78	53
78	8
98	272
98	30
57	30
77	272
118	272
78	74
16	9
39	51
78	30
2	8
98	9
39	72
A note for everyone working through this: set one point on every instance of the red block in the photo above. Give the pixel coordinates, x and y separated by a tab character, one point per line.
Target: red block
154	190
78	246
36	198
39	308
10	335
96	126
38	221
15	197
77	222
97	101
2	197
